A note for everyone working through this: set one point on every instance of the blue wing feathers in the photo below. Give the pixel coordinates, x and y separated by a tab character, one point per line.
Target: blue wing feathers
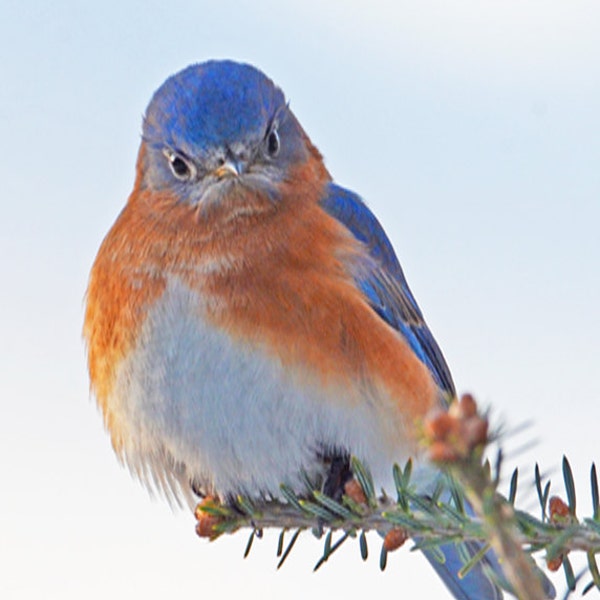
386	289
384	285
350	210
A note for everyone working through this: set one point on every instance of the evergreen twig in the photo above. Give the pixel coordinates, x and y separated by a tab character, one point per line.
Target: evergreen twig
456	441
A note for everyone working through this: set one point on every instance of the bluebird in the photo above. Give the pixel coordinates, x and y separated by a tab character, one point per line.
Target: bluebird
247	322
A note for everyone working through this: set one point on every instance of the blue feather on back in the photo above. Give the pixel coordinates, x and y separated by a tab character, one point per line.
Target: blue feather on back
385	286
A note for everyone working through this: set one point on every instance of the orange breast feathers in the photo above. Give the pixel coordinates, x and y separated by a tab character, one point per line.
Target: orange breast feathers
273	274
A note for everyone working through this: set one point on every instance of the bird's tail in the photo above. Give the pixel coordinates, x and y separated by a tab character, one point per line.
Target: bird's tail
477	583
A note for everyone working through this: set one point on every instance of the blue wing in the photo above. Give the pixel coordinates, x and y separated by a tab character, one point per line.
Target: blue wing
387	291
384	284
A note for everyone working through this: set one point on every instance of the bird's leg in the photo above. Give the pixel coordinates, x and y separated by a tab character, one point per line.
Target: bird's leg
338	475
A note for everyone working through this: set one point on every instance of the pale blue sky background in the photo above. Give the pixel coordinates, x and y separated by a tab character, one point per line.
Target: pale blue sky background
472	128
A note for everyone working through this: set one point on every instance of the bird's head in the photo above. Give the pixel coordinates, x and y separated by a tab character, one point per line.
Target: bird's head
216	126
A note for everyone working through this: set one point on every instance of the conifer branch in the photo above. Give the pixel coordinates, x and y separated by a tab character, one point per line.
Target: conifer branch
456	441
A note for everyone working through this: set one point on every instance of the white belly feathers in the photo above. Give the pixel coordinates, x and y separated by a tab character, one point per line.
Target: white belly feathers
196	405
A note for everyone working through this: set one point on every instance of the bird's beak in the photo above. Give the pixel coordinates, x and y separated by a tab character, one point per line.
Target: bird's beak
227	169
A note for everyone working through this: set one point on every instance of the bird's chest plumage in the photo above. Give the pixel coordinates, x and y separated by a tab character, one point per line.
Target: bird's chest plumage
233	360
227	412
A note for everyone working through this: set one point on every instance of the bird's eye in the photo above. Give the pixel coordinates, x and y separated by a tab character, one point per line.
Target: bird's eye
181	167
273	143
